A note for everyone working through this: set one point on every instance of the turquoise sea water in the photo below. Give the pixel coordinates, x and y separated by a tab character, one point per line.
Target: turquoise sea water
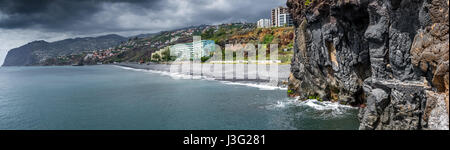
112	97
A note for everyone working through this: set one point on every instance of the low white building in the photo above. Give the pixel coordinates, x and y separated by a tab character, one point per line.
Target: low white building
183	50
263	23
194	50
203	48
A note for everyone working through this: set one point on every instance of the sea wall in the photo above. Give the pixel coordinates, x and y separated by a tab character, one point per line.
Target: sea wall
389	57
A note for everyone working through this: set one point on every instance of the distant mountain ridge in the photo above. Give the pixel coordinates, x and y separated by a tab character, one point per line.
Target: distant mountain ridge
37	51
145	35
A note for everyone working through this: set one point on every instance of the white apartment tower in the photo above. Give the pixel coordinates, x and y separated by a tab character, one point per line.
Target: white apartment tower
275	15
284	20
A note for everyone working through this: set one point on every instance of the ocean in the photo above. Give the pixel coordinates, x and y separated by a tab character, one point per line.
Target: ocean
108	97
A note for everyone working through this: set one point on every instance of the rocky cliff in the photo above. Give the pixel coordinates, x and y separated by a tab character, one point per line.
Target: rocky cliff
37	52
389	57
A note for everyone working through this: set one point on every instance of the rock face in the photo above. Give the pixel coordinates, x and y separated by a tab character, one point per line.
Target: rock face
390	57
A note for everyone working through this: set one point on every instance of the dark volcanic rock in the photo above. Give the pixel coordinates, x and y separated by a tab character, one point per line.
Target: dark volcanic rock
38	51
389	57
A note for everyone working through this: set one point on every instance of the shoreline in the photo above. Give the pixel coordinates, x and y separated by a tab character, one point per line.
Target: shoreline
281	83
164	69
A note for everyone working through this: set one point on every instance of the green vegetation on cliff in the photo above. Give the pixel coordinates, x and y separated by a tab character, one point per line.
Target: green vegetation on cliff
233	33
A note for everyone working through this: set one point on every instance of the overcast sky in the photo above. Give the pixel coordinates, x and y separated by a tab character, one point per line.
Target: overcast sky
24	21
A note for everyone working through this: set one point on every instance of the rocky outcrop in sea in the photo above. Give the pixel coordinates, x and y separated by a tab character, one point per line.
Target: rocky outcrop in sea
389	57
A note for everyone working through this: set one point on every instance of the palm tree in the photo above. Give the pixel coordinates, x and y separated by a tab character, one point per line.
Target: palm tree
156	57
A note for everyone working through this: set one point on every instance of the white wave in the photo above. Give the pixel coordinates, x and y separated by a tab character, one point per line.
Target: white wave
169	74
260	86
177	76
284	103
129	68
325	105
311	106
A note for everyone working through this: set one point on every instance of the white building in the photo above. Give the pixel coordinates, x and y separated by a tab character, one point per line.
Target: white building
203	48
284	20
280	16
194	50
183	50
275	15
263	23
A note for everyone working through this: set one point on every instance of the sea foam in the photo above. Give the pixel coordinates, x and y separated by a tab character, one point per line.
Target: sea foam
311	106
261	86
177	76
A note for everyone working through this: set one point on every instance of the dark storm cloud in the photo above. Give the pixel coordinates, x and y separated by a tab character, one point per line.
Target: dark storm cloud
56	14
83	16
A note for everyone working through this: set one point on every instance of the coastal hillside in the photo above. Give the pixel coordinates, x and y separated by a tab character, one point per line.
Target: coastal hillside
37	52
113	48
390	58
140	49
232	33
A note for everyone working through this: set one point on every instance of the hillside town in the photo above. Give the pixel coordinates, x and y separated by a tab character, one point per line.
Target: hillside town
204	48
279	17
166	46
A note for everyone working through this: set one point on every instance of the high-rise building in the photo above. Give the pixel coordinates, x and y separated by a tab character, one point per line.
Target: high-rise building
284	20
263	23
275	15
